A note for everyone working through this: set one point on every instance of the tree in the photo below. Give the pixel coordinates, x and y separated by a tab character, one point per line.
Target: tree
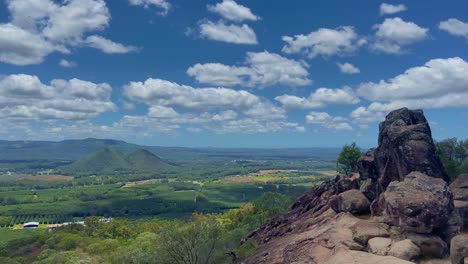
193	243
348	159
453	153
271	204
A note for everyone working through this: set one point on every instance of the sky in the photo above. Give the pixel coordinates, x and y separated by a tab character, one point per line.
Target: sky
225	73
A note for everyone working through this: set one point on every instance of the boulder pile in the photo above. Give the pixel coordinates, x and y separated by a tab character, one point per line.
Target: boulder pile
398	209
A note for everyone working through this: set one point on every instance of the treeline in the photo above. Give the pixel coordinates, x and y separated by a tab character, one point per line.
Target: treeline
454	155
210	238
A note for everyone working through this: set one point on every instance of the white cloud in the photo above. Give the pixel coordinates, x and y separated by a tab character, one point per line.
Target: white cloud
162	4
324	42
20	47
69	22
225	115
348	68
439	83
261	69
26	97
221	31
108	46
157	92
455	27
41	27
389	9
395	33
363	115
251	125
157	111
320	98
67	64
231	10
327	121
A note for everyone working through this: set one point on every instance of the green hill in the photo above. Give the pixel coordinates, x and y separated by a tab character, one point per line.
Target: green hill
143	160
110	161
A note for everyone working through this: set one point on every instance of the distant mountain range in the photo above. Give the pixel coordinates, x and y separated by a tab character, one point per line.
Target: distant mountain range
111	161
34	156
72	150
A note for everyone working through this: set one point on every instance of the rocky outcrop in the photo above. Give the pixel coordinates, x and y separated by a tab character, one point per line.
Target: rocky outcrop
405	145
404	185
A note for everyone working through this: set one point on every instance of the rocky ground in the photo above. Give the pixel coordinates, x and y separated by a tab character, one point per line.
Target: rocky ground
399	208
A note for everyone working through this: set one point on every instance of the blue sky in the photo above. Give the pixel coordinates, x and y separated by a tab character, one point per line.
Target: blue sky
230	73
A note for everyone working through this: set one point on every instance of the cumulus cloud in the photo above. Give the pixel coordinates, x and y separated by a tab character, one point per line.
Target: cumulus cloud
455	27
348	68
41	27
395	33
231	10
327	121
108	46
389	9
157	92
26	97
225	115
230	33
67	64
324	42
261	69
438	83
162	4
20	47
320	98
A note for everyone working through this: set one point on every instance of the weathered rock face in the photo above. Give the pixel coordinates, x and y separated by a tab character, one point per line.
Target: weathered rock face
419	204
344	256
305	210
430	245
460	195
460	187
459	249
405	145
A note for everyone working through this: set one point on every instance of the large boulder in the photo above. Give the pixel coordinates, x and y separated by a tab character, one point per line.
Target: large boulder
379	245
459	249
404	249
419	204
364	230
352	201
405	145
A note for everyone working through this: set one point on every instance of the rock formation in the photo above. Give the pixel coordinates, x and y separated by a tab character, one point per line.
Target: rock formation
403	184
460	195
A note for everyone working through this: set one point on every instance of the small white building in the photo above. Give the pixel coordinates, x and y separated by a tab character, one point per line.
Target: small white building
31	225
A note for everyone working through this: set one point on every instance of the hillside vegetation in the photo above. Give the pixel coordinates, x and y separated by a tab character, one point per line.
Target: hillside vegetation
112	161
